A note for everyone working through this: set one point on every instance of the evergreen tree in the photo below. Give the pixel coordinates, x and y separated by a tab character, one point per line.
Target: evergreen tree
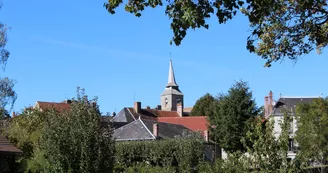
230	115
203	105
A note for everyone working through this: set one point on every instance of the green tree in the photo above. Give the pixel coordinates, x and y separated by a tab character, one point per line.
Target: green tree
230	115
312	133
265	152
7	94
75	140
280	28
25	131
202	106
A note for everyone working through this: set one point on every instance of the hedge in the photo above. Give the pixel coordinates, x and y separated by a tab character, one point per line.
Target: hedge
181	154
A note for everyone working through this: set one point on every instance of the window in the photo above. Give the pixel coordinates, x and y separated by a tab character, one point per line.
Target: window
290	144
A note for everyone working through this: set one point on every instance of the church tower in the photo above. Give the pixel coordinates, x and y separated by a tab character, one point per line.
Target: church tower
171	95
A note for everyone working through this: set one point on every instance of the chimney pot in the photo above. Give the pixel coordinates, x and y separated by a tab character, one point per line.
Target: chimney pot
155	130
270	103
137	107
266	106
13	114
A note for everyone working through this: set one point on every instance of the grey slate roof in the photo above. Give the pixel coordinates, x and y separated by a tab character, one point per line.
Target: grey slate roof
135	130
290	103
7	147
142	129
124	116
171	90
167	130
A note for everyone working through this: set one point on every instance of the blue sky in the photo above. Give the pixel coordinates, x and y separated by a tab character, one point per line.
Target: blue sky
58	45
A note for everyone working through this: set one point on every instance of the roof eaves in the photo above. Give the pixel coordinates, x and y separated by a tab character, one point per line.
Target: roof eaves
134	139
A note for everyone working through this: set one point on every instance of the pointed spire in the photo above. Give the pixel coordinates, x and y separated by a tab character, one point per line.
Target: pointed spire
171	80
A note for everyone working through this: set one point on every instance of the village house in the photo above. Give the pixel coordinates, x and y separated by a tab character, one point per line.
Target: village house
275	110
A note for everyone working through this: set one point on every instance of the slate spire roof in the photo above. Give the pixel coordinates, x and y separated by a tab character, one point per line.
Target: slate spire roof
171	80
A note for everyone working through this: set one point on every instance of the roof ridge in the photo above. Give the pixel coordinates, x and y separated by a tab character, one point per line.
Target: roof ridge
51	102
131	114
183	117
147	128
300	97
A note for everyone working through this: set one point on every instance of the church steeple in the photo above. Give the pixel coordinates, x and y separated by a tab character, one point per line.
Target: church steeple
171	96
171	80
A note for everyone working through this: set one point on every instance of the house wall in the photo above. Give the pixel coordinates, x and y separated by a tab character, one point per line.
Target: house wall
277	127
278	119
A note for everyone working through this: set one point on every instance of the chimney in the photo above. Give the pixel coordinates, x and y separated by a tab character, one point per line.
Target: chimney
180	109
159	107
266	104
155	130
137	107
68	101
270	103
13	114
147	107
206	135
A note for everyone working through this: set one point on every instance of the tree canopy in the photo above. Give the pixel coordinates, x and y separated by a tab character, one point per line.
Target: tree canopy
230	115
312	133
203	105
279	28
75	140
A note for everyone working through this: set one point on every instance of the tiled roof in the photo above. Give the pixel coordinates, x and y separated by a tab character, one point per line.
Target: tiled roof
195	123
53	105
160	113
7	147
188	109
154	113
